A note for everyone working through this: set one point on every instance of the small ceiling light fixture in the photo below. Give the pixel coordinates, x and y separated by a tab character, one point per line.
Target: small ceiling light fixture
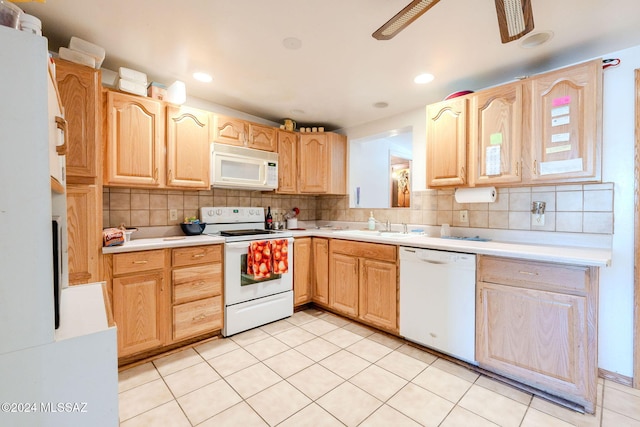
292	43
423	78
202	77
381	104
535	40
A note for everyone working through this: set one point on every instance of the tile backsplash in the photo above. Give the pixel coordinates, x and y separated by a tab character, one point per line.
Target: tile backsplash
584	208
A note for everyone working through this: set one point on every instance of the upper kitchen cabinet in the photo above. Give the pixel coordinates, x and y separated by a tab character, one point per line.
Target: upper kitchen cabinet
262	137
187	147
495	135
231	131
566	125
287	162
79	88
135	141
447	143
322	163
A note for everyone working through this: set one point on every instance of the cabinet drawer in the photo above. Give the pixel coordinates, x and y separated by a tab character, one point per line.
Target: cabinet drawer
365	250
196	255
193	283
134	262
533	274
197	317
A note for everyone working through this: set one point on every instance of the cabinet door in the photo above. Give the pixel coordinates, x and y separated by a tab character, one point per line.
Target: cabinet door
537	337
79	88
495	136
343	284
314	163
262	137
378	294
135	141
187	147
302	271
287	162
320	270
138	312
337	168
566	124
83	234
447	143
227	130
197	317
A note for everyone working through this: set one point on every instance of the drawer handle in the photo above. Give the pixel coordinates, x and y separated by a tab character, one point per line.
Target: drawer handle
62	124
528	273
198	256
144	261
202	316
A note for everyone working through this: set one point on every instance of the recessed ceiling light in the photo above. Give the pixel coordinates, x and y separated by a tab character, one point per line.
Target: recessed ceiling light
423	78
202	77
535	40
292	43
381	104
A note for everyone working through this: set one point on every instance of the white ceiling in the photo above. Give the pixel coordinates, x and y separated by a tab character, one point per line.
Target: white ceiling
340	71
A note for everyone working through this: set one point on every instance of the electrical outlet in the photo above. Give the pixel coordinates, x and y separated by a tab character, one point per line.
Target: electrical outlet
537	220
464	216
173	214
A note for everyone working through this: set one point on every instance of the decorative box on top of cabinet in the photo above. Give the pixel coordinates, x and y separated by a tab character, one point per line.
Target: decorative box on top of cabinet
537	323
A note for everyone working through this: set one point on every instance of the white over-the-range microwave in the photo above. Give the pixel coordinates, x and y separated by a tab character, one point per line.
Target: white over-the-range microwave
243	168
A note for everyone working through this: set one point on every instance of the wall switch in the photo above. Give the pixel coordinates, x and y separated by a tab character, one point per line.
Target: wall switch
173	214
537	220
464	216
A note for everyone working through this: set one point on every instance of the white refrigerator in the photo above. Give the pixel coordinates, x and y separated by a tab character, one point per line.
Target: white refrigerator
48	377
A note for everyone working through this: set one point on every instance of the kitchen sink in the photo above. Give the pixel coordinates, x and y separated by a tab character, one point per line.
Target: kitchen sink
374	233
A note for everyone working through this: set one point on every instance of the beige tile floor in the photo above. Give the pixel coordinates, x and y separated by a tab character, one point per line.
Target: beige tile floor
317	369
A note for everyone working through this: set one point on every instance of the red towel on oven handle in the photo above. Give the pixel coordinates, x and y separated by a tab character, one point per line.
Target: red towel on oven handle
259	263
280	252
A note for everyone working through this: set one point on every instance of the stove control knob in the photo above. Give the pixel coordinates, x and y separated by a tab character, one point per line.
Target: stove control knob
252	212
218	211
210	212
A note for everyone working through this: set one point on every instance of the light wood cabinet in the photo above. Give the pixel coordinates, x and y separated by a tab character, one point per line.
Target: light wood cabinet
495	135
363	282
302	271
262	137
79	89
229	130
447	143
187	147
164	297
83	233
287	162
536	322
135	141
197	291
320	270
322	163
566	125
139	301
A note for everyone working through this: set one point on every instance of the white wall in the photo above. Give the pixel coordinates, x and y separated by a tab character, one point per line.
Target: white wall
615	346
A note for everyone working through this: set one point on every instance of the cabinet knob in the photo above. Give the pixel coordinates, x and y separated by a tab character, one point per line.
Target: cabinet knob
535	167
197	256
61	123
144	261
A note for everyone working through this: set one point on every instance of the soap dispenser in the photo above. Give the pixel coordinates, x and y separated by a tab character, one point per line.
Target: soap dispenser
372	221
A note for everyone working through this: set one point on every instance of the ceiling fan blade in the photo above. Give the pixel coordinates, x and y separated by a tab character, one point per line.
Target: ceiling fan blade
515	19
405	17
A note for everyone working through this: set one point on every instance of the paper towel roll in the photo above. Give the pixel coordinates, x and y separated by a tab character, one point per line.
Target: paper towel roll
476	195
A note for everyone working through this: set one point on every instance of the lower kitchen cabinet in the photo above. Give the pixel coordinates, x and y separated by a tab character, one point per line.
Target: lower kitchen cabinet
537	323
302	271
83	233
320	284
363	282
163	297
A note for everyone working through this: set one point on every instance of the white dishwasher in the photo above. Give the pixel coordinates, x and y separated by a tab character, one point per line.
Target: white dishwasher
437	300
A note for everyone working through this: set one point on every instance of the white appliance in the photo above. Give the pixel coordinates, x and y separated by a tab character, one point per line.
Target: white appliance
249	302
243	168
437	300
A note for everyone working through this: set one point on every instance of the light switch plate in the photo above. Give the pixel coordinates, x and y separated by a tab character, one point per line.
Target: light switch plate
173	214
464	216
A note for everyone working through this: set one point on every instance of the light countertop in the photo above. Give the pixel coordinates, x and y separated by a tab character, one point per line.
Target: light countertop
591	256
